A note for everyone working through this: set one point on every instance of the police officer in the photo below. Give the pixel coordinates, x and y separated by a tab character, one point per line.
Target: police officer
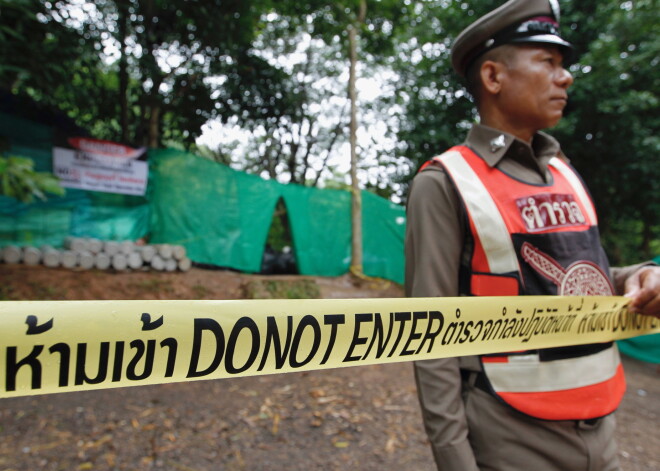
506	214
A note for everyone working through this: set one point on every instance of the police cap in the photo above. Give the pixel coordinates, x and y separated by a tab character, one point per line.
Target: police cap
517	21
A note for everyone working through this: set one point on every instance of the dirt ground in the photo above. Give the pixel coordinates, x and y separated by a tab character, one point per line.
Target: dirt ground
358	418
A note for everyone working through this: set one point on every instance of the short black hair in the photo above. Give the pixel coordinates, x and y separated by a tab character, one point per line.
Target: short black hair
502	54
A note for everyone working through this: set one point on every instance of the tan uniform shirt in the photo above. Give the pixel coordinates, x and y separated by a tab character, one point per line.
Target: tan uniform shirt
434	244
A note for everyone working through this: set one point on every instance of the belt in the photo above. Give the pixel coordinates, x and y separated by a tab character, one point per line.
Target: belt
587	424
476	379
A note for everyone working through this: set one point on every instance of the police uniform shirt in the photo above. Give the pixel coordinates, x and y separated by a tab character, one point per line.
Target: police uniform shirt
434	245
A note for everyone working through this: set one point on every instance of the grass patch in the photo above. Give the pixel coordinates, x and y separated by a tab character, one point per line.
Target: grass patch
280	289
200	291
154	285
46	292
7	293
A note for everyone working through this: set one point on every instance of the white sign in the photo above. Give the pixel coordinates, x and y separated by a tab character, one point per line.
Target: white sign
90	171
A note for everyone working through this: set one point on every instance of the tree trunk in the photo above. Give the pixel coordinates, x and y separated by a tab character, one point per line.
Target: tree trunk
357	264
123	71
647	237
154	126
153	105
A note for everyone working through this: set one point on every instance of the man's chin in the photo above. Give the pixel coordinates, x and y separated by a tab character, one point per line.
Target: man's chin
552	122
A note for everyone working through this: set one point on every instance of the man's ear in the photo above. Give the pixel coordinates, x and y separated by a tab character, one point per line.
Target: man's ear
491	76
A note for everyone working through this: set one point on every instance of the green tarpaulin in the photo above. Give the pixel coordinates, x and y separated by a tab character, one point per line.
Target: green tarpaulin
646	348
223	216
220	215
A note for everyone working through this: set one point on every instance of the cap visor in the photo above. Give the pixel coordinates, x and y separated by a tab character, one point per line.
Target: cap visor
566	48
544	39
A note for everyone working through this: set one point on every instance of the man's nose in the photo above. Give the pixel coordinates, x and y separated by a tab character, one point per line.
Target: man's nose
564	78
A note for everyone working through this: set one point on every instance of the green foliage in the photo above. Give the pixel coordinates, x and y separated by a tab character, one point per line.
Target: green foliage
610	131
36	50
623	240
47	291
193	63
140	71
611	128
329	21
311	118
172	66
7	293
436	110
282	289
56	64
18	180
200	291
154	286
308	42
279	234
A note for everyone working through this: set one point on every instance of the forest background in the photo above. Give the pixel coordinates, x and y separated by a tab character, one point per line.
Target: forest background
263	86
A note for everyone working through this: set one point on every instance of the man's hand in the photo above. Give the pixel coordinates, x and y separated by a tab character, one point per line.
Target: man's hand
643	288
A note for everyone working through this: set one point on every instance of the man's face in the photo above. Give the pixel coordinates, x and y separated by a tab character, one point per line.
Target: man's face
534	85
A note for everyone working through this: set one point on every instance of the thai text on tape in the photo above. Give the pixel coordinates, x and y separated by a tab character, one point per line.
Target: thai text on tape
58	346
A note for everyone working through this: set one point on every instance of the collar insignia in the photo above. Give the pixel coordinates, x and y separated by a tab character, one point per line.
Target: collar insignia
497	143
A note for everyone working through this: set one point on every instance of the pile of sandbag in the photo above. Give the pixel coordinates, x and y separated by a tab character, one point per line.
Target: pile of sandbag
88	253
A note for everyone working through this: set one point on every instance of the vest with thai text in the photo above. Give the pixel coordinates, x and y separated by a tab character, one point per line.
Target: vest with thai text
529	239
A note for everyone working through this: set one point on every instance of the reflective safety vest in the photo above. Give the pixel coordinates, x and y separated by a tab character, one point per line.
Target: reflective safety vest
529	239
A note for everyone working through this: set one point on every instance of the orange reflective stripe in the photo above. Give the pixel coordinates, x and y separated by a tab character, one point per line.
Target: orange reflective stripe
487	359
498	207
485	284
435	159
588	402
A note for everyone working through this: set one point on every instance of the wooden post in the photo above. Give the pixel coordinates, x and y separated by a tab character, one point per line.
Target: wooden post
170	264
147	252
86	260
102	261
95	245
31	256
51	257
356	206
164	250
119	262
134	260
185	264
111	247
178	252
12	254
157	263
69	259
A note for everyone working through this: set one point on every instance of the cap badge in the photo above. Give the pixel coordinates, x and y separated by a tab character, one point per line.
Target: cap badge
554	4
498	143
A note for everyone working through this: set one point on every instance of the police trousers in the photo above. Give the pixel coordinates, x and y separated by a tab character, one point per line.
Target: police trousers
506	440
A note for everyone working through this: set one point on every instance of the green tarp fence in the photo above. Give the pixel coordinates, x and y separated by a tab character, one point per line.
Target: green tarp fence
79	213
647	347
220	215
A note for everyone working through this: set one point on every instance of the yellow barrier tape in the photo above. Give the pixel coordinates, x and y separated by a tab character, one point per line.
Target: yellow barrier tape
58	346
